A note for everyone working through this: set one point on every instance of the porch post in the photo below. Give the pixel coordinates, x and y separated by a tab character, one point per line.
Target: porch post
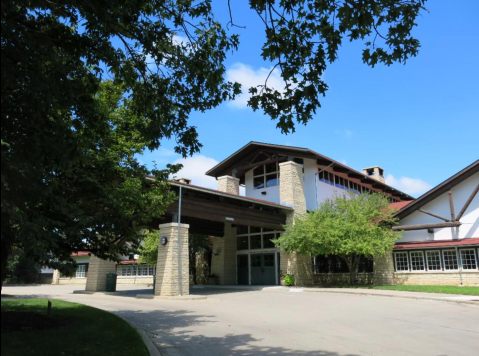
167	274
97	271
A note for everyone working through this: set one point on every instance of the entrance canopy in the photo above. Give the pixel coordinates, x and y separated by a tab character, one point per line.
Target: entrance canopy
207	210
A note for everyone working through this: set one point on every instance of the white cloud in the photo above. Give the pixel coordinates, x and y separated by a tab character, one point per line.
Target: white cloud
408	185
249	77
194	168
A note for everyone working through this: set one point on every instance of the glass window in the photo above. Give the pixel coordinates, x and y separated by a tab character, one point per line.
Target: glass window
270	168
468	258
417	261
255	260
258	171
254	230
258	182
450	260
267	241
402	261
255	242
242	243
433	260
271	180
241	230
81	271
269	260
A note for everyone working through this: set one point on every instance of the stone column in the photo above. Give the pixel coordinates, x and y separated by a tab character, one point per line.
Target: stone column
291	193
228	184
224	263
384	270
56	277
97	271
167	273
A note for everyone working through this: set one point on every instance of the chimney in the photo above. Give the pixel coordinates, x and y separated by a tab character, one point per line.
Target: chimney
183	180
375	172
228	184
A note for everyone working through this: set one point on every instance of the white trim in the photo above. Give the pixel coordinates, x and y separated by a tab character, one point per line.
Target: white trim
396	262
438	253
444	260
475	259
411	261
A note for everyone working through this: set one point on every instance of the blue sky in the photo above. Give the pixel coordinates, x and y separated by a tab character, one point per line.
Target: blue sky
419	121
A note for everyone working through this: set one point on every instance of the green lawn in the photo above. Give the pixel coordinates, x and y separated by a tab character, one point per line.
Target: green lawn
433	289
78	330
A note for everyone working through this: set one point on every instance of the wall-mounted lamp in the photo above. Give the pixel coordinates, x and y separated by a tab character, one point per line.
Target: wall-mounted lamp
216	251
430	231
263	193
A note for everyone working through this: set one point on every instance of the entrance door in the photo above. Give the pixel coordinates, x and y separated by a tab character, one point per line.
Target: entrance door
263	269
243	270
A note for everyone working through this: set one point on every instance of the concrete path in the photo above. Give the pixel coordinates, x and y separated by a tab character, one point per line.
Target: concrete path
287	322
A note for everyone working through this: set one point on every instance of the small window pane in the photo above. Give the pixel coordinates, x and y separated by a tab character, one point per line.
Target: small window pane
271	180
267	241
402	263
255	260
242	242
255	242
269	260
271	168
450	260
258	182
433	260
417	261
241	230
468	258
254	230
258	170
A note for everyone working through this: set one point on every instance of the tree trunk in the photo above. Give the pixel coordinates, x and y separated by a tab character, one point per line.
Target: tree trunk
6	251
353	262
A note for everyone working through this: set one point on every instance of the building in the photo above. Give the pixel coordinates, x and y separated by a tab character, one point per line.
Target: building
440	243
280	182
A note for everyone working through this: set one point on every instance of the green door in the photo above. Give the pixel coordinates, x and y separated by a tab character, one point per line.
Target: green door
243	270
263	269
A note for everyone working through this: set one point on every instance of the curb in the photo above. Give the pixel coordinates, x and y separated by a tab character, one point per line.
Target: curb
445	299
150	346
182	298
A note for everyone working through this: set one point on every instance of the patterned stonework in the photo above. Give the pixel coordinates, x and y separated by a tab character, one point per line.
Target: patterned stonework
224	263
167	276
228	184
97	271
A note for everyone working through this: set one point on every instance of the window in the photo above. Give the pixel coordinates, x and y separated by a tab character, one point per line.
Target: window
136	270
433	259
81	271
402	261
417	261
326	177
265	176
468	258
254	238
450	260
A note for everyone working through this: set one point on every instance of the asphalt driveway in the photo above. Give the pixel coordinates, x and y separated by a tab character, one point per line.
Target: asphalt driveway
267	323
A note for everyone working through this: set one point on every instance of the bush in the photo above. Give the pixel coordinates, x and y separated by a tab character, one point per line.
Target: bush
289	280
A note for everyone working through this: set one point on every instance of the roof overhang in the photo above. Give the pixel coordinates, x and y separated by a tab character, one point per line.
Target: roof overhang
438	190
468	242
257	153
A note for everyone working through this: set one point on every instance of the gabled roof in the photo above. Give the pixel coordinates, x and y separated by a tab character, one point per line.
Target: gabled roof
439	190
247	152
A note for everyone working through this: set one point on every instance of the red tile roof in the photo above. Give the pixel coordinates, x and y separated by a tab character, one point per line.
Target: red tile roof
473	241
401	204
81	253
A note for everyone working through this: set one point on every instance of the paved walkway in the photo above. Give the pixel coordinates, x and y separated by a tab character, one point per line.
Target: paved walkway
280	321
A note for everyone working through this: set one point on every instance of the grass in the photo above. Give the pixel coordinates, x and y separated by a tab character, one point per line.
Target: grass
88	331
433	289
423	289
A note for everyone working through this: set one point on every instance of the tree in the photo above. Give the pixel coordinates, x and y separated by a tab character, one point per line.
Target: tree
348	226
70	179
197	244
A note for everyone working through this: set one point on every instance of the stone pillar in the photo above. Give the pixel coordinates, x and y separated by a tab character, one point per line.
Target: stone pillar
224	263
56	277
291	193
167	273
97	271
228	184
384	270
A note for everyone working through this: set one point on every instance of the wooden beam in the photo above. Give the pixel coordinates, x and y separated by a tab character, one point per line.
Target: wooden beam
434	215
256	164
468	202
451	204
426	226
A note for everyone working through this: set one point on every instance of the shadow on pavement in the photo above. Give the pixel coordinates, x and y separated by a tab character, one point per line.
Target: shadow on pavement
175	333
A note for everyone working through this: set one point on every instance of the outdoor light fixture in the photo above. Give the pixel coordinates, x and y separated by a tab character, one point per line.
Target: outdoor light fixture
430	231
263	193
216	252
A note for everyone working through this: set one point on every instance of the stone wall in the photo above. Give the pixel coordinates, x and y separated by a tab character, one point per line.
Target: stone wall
228	184
167	274
329	279
224	263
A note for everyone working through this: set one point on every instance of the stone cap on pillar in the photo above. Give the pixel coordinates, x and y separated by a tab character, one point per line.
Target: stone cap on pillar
174	224
228	184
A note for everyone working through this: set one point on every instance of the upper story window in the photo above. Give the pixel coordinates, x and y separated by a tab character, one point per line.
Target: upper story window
266	175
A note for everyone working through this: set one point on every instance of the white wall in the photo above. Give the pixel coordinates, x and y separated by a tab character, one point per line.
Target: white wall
440	206
272	193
